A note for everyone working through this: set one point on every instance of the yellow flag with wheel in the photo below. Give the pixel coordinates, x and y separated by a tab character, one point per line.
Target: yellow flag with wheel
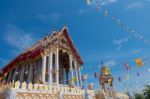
70	69
73	79
109	81
139	62
107	71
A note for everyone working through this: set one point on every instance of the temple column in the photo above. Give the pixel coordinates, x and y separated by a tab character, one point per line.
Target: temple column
50	67
76	69
80	79
43	68
71	67
57	66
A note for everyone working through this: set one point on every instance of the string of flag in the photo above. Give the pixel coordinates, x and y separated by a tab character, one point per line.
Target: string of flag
133	33
126	67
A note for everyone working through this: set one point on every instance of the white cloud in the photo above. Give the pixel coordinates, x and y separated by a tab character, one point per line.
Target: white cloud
106	2
148	70
120	42
111	1
135	5
146	61
50	17
82	11
110	63
137	51
18	39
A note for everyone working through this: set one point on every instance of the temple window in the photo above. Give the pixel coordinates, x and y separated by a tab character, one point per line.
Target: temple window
26	73
12	74
7	76
39	69
34	74
15	74
47	68
18	73
53	69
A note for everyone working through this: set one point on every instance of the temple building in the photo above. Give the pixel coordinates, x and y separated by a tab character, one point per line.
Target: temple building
50	69
53	60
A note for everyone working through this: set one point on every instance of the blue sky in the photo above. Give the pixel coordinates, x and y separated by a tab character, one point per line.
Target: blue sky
22	23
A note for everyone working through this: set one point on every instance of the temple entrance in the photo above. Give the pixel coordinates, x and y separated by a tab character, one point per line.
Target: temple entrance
63	68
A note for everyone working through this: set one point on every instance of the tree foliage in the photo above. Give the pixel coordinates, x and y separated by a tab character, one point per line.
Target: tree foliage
139	96
146	92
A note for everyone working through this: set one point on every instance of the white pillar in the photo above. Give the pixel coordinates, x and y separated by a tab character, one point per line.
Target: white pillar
76	69
57	66
80	77
70	63
50	67
43	68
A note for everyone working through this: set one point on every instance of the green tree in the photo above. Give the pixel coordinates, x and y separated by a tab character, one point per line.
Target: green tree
146	92
139	96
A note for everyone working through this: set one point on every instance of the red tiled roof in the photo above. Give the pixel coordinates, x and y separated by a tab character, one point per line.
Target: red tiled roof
23	57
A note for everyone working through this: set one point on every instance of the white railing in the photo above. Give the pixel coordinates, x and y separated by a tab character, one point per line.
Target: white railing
18	87
64	89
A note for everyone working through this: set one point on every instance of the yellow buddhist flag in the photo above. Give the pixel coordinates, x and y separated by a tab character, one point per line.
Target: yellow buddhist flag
109	81
70	69
139	62
73	79
107	71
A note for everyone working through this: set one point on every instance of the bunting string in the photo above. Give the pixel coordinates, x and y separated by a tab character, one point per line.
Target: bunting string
133	33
